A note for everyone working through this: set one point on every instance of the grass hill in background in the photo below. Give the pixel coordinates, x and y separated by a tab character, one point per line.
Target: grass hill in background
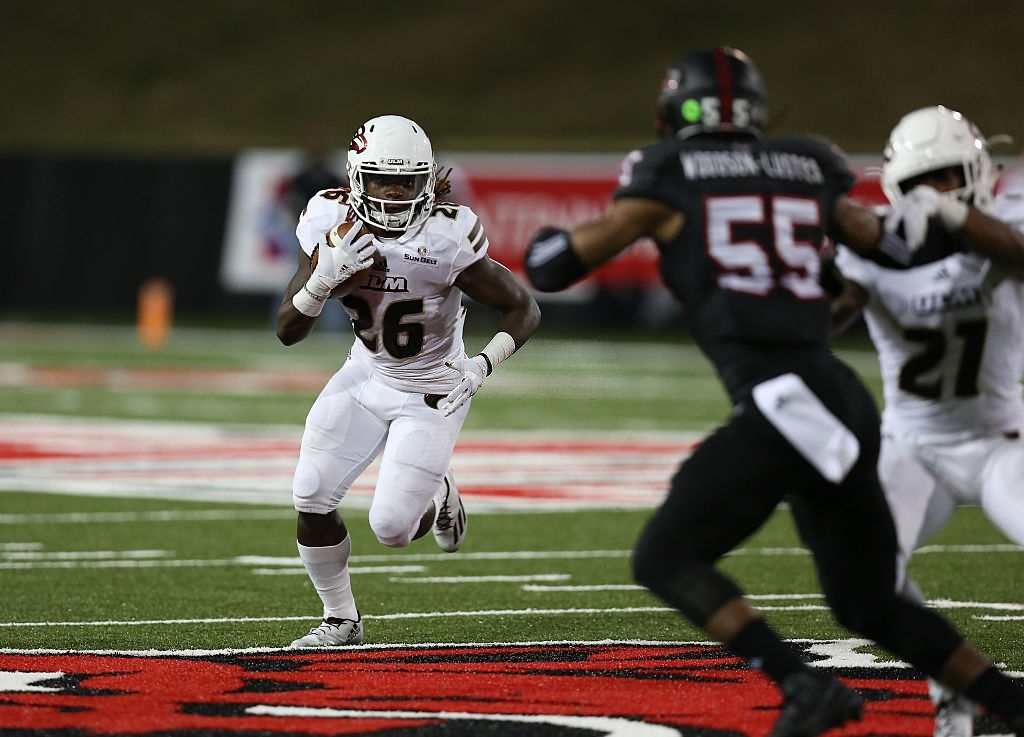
220	75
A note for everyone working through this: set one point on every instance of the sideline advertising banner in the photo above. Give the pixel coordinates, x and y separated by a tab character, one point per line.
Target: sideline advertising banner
513	194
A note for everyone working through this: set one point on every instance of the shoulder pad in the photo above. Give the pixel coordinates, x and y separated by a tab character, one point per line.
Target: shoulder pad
466	228
830	157
642	170
650	157
324	210
326	201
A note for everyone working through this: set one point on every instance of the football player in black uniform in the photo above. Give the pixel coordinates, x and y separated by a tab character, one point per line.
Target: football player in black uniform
739	220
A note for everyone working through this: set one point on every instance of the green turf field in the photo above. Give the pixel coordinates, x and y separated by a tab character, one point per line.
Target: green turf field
520	577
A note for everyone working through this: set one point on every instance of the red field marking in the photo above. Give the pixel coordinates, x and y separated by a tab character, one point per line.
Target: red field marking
688	690
223	381
218	463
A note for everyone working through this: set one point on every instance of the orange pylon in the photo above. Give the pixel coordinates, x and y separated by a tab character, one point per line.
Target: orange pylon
155	312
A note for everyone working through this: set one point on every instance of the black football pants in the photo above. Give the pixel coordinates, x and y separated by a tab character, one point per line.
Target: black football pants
732	483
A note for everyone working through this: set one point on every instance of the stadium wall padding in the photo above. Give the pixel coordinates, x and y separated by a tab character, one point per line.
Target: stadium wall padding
83	233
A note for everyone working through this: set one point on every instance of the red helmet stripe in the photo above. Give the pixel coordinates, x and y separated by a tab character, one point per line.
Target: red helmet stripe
723	75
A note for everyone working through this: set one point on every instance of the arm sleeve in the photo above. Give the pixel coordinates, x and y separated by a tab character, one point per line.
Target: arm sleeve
471	242
325	210
855	268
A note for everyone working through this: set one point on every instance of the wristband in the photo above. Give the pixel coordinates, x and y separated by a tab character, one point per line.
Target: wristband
501	346
307	302
551	263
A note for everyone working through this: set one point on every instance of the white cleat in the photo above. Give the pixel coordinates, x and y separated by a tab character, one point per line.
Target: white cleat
954	717
333	633
450	522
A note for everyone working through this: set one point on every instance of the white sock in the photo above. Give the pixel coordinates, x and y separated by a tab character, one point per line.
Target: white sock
328	570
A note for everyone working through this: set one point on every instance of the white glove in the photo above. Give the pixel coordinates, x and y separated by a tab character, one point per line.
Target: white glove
919	205
474	371
344	256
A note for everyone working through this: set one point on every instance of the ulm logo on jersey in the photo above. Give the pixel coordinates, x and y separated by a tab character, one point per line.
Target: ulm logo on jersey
383	283
958	298
646	690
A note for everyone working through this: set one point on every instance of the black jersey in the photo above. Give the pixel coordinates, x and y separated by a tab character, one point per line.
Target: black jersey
746	264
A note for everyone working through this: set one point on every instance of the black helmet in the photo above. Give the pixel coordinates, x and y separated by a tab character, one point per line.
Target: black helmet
712	91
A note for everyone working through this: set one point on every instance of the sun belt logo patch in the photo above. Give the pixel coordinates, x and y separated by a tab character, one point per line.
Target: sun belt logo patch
546	690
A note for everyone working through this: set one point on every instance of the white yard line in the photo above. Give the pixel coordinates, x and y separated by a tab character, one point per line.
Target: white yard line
36	555
376	617
526	612
986	548
541	588
159	515
292	562
112	564
263	561
823	647
352	569
951	604
583	588
484	579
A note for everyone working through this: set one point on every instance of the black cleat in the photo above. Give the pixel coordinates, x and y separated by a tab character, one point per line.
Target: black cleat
813	704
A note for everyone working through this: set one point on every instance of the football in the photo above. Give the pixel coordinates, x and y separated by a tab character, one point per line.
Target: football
342	289
341	230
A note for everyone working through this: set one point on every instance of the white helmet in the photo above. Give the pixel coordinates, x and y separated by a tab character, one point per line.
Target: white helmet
391	145
935	138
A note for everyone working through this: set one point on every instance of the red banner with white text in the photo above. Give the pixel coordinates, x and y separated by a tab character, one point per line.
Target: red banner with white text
514	195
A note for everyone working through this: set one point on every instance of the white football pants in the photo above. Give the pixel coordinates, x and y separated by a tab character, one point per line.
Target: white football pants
924	482
353	419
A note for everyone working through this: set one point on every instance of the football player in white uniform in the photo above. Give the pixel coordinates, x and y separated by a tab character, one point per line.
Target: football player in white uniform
948	333
399	262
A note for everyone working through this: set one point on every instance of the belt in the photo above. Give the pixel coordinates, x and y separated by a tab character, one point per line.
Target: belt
1012	435
432	400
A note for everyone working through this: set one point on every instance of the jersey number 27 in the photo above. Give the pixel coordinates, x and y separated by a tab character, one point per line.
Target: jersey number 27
933	354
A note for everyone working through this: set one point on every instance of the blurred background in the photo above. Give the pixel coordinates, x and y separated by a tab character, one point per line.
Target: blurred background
178	142
153	159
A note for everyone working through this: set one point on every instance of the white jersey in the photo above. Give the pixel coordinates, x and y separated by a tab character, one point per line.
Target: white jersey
406	312
949	339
